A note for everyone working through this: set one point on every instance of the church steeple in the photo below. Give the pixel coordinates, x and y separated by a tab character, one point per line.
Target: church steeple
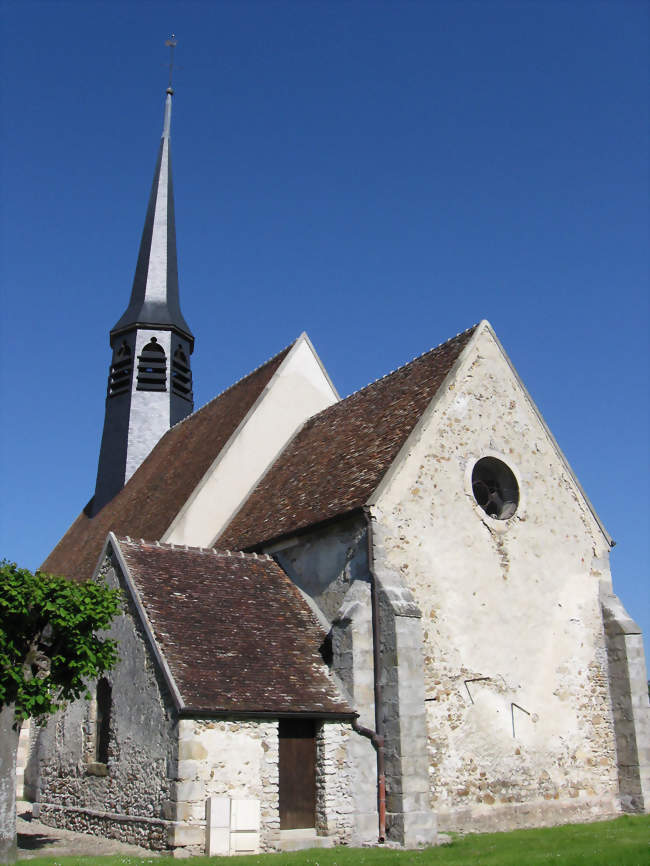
149	381
154	296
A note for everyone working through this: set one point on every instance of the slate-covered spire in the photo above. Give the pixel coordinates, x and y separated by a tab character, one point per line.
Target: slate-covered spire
154	296
149	380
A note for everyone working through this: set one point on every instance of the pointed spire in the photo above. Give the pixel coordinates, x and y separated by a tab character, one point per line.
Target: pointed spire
149	379
154	296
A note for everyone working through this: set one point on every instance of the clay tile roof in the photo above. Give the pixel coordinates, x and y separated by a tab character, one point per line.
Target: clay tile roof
339	456
235	632
156	492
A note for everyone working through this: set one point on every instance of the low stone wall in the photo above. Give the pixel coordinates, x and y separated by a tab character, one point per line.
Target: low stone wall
146	832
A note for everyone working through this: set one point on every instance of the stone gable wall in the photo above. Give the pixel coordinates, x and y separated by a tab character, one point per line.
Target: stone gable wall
128	802
511	622
298	389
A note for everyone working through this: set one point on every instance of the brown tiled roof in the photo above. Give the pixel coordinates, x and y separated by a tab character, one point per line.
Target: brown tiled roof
156	492
235	632
340	455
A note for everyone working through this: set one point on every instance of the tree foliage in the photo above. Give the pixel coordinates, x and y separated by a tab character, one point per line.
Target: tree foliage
49	641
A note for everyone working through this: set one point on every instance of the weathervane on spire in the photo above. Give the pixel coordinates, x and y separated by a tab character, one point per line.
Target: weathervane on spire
171	44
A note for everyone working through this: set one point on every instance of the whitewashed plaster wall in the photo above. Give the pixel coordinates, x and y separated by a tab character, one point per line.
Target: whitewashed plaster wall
511	605
299	388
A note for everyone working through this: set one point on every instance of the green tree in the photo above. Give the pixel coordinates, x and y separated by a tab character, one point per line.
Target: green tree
49	649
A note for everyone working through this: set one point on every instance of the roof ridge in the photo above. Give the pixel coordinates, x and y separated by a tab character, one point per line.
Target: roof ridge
189	548
392	372
416	358
230	387
332	465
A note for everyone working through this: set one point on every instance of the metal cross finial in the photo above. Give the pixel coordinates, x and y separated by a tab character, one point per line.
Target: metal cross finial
171	44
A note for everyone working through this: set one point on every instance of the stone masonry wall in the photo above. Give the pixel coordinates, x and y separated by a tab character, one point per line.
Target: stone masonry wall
409	818
225	758
128	801
334	806
628	683
330	567
520	728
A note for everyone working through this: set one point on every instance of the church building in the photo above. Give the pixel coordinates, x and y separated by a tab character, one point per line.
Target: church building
345	621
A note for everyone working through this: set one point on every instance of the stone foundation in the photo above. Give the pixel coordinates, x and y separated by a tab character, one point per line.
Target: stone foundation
540	813
135	830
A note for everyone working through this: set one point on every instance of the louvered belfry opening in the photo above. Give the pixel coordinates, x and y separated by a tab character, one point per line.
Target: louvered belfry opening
181	375
119	377
152	367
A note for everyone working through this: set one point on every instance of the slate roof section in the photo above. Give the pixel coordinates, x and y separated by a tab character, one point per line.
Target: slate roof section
159	488
154	296
340	455
236	634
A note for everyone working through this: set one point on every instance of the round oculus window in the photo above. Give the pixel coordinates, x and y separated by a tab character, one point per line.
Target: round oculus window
495	488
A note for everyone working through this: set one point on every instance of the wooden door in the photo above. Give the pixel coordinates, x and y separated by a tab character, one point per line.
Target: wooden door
297	774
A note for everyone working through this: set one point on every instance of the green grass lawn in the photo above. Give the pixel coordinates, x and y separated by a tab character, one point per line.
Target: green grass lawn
623	842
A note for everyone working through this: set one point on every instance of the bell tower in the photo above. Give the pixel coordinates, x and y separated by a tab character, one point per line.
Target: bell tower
149	380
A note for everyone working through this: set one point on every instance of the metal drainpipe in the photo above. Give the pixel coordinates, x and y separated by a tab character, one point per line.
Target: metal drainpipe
377	736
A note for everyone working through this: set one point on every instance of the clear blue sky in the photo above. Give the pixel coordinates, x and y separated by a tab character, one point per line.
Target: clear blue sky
381	175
